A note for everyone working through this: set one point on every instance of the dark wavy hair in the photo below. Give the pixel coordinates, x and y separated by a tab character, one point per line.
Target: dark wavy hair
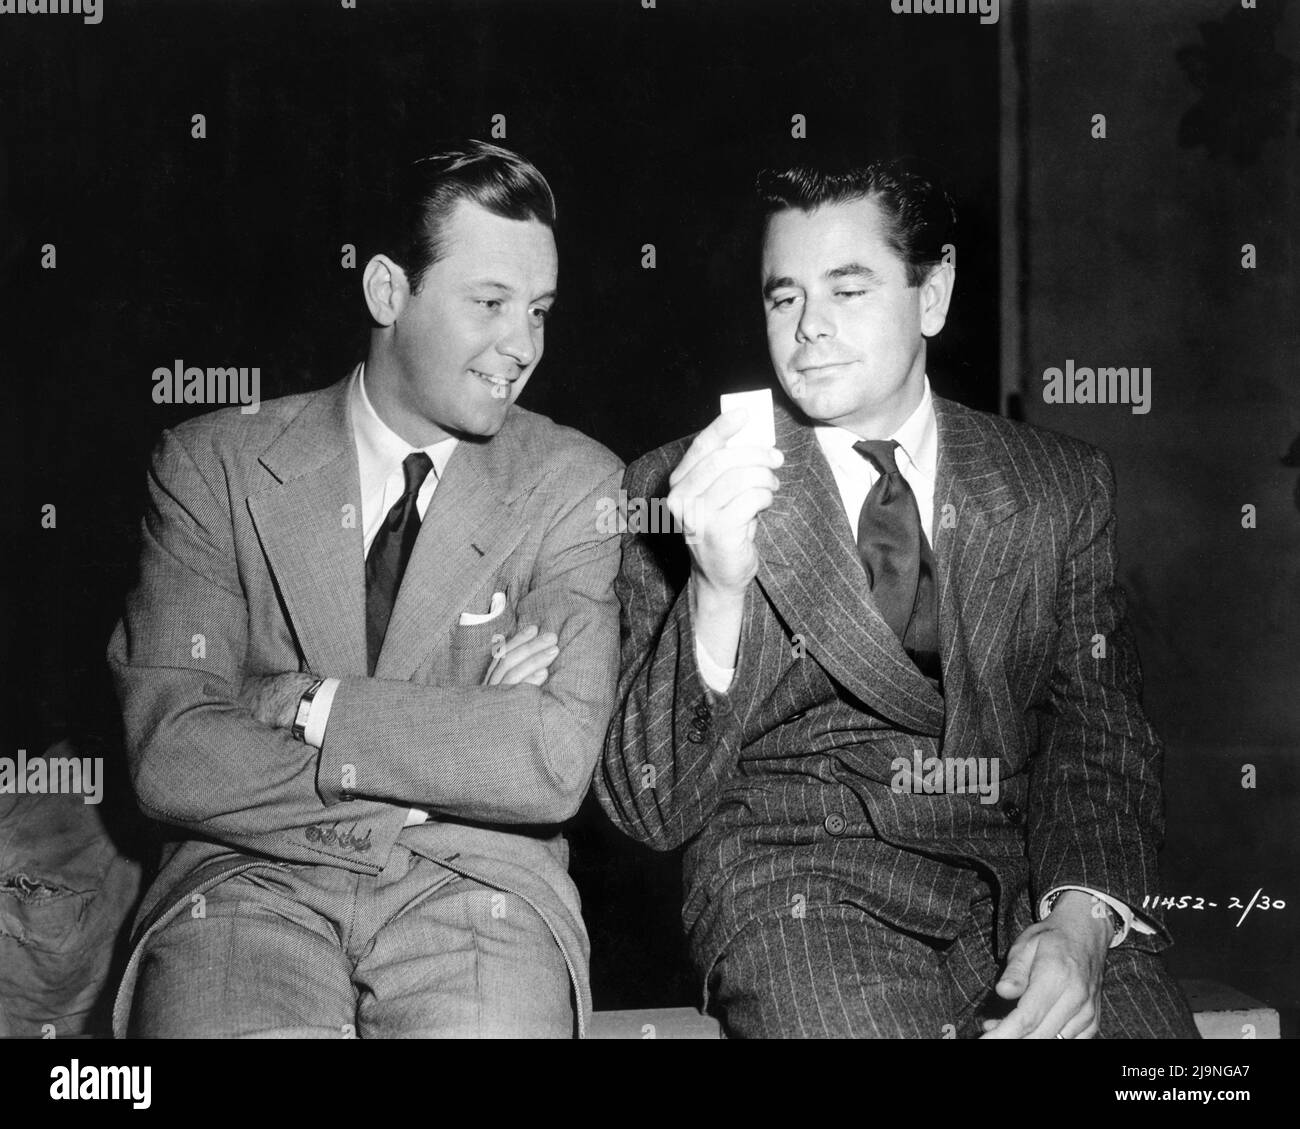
920	216
421	197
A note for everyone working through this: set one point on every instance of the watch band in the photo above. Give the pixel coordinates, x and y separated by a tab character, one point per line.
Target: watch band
299	728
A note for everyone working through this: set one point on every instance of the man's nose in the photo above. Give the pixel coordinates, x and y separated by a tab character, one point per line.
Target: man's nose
815	322
519	344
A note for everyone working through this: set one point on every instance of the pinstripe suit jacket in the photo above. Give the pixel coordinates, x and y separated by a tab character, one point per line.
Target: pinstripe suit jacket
782	786
253	563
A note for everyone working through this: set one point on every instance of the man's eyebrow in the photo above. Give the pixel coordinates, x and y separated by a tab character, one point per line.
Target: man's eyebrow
851	270
774	284
506	288
847	270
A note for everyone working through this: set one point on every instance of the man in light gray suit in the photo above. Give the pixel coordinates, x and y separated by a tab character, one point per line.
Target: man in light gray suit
369	661
884	692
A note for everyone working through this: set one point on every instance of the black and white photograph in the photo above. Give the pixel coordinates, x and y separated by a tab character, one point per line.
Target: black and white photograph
650	520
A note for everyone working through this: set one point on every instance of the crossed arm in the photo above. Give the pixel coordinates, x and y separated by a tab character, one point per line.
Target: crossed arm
524	658
211	757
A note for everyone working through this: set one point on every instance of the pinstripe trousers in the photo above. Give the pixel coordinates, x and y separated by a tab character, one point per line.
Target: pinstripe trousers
832	970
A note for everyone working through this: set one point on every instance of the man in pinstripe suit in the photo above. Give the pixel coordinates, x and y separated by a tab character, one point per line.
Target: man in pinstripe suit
800	680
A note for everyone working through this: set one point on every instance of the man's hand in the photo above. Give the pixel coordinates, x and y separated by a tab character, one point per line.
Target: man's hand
716	494
1054	969
525	657
273	698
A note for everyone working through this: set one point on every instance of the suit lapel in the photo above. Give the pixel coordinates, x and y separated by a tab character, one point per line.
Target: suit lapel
809	569
309	524
983	525
470	528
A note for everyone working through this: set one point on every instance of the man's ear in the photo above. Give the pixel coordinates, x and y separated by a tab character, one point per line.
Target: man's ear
935	294
386	289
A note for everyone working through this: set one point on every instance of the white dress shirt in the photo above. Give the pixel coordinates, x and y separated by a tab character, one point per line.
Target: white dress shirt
917	456
380	454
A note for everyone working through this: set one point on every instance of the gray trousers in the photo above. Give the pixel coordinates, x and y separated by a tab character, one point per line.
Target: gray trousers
318	952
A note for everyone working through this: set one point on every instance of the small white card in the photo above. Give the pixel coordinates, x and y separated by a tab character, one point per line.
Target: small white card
759	429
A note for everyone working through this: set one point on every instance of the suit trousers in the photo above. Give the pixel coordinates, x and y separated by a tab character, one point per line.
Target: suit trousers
832	970
312	951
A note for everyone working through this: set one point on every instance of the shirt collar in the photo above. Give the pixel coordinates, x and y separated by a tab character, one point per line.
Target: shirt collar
917	438
380	450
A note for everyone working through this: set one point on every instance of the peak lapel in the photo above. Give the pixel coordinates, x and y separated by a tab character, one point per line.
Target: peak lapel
470	528
983	521
810	570
309	524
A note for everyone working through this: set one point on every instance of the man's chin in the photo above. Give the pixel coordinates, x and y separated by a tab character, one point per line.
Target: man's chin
481	427
817	406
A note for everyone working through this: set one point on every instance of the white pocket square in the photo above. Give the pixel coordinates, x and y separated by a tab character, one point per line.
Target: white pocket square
469	619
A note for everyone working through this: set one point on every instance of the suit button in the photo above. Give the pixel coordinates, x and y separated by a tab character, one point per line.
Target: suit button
835	824
1014	815
695	735
703	712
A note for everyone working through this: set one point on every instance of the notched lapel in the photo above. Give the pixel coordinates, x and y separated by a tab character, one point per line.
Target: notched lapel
810	570
470	529
309	525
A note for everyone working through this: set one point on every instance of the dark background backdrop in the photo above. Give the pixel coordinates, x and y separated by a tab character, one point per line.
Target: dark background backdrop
650	125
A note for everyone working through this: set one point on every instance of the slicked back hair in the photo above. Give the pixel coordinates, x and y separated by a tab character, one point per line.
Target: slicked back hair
919	215
422	196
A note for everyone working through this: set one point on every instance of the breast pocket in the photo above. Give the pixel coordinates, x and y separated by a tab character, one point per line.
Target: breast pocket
473	646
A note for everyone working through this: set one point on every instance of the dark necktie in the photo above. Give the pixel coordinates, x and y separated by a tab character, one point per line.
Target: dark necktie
389	552
897	558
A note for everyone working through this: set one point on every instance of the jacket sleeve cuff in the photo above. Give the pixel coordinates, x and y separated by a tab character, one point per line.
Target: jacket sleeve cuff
1129	920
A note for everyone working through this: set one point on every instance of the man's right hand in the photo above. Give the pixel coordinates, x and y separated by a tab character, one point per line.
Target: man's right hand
525	657
716	494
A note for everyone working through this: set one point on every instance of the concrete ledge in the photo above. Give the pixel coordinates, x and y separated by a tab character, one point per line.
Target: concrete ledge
654	1023
1220	1013
1224	1013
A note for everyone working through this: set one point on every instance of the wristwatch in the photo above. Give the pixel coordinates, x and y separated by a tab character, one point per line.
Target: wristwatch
299	728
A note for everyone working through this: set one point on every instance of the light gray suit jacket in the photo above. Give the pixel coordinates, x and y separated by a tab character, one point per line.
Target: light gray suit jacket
253	563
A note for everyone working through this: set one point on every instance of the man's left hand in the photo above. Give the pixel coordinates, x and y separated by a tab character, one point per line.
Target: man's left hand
1054	969
273	698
